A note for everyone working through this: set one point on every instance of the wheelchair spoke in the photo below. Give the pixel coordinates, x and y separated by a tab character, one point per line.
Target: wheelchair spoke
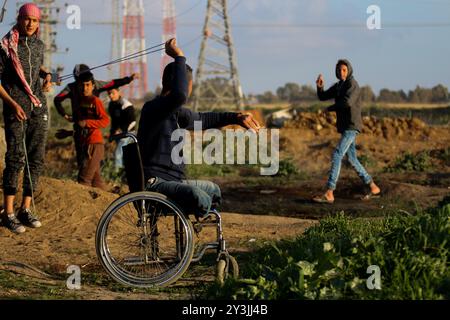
142	243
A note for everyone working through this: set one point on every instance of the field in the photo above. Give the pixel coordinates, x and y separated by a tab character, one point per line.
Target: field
407	153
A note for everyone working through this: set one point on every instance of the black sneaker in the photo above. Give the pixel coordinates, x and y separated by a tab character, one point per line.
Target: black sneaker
28	218
12	223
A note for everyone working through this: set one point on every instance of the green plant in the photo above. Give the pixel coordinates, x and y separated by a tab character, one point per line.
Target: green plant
411	162
330	261
366	161
287	168
445	156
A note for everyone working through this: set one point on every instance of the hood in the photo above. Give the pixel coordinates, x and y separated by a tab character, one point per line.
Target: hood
349	66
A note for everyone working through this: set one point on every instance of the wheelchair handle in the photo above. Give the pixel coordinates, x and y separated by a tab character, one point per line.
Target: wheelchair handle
120	136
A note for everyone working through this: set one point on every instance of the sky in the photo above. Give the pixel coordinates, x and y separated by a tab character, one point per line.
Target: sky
280	41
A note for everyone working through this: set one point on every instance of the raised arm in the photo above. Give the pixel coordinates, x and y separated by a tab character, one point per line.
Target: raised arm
322	94
173	98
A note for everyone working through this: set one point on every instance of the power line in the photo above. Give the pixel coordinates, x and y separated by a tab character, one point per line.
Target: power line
190	9
235	6
150	50
306	25
122	59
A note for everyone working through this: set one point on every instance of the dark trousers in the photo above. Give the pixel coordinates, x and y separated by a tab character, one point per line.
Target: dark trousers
193	196
90	170
34	130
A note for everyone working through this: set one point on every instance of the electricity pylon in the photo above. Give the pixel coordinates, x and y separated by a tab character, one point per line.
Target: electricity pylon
217	59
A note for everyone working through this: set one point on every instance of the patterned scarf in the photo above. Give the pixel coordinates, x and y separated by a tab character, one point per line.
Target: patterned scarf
10	44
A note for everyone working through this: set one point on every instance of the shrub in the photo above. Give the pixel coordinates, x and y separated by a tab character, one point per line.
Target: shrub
330	261
409	162
287	168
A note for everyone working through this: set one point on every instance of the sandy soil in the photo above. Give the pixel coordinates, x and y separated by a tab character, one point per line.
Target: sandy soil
70	213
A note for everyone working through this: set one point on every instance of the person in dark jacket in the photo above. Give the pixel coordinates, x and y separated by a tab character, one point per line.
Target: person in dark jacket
349	124
72	91
123	120
163	115
25	114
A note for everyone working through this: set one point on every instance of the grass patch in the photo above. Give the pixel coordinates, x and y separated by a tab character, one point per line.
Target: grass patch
18	287
331	259
409	162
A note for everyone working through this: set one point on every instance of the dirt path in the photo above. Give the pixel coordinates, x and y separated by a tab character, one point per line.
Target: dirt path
70	213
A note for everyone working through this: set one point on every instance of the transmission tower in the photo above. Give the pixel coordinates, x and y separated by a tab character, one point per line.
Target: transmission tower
115	37
169	29
134	41
217	58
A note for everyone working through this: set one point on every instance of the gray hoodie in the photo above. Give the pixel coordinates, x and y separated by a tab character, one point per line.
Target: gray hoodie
347	103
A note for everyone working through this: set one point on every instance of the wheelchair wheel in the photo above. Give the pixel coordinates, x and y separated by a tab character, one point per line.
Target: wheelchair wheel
144	240
223	270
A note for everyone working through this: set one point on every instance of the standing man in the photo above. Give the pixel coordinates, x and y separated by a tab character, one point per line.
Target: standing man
25	114
349	124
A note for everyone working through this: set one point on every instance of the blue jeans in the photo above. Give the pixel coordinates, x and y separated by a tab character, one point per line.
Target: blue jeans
118	153
347	146
193	196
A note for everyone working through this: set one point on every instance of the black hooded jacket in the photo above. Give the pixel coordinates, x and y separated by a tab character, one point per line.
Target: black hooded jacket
347	103
163	115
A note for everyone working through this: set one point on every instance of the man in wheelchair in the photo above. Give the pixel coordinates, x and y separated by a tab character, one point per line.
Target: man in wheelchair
163	115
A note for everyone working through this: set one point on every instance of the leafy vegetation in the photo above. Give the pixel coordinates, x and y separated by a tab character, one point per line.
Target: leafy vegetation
331	259
409	162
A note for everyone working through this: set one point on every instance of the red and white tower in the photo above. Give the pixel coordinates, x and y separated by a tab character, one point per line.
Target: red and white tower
169	29
134	41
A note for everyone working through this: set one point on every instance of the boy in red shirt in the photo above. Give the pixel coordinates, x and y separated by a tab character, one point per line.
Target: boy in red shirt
91	118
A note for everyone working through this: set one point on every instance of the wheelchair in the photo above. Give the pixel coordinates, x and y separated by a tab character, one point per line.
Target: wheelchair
144	239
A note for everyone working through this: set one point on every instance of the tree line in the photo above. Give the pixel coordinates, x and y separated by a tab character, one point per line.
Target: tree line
293	92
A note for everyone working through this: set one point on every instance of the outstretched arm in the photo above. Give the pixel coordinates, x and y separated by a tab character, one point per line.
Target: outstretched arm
210	120
103	86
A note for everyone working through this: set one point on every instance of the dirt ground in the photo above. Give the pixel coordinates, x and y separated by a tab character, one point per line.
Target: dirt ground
70	213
